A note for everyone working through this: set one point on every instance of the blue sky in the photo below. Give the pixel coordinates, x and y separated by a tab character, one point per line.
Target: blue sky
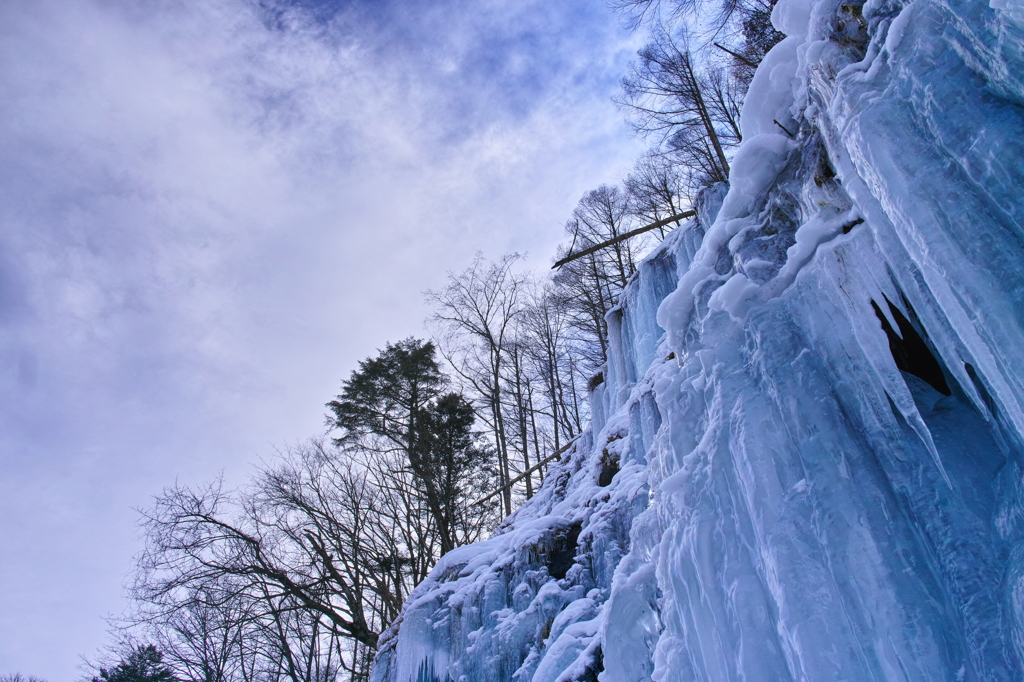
209	211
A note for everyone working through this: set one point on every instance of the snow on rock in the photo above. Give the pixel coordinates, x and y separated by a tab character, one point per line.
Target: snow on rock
806	456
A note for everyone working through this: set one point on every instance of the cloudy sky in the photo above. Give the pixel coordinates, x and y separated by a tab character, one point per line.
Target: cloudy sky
211	209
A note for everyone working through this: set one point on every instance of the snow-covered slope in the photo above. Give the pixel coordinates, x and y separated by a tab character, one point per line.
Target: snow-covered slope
806	457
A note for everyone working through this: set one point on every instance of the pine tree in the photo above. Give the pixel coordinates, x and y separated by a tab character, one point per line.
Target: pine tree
143	663
387	394
393	404
446	460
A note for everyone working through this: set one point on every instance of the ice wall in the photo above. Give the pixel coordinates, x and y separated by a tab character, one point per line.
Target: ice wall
806	456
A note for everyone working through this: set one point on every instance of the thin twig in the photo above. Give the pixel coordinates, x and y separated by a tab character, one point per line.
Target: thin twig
783	127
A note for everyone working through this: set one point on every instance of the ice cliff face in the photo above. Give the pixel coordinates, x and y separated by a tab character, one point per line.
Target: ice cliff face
806	457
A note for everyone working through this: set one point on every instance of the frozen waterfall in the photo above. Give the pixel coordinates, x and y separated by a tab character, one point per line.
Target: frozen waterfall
807	456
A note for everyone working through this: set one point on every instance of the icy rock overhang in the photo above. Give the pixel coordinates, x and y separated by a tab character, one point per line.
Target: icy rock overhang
814	400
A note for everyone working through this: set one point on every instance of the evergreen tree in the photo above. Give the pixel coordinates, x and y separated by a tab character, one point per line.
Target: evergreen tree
143	663
446	460
380	404
393	404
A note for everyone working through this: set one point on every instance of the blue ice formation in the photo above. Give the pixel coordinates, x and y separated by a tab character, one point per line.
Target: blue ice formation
812	425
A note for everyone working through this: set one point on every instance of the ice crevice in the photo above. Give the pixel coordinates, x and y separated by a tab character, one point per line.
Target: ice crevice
805	461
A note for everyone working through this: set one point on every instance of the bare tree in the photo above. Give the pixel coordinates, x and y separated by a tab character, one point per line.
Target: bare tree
473	320
724	97
295	576
519	390
582	287
588	287
18	677
203	631
603	214
657	189
746	20
545	325
665	96
288	541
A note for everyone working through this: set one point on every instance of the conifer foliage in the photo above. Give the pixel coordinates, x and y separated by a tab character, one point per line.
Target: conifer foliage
393	404
384	399
142	663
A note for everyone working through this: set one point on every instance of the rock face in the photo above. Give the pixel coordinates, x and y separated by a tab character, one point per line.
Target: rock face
805	461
